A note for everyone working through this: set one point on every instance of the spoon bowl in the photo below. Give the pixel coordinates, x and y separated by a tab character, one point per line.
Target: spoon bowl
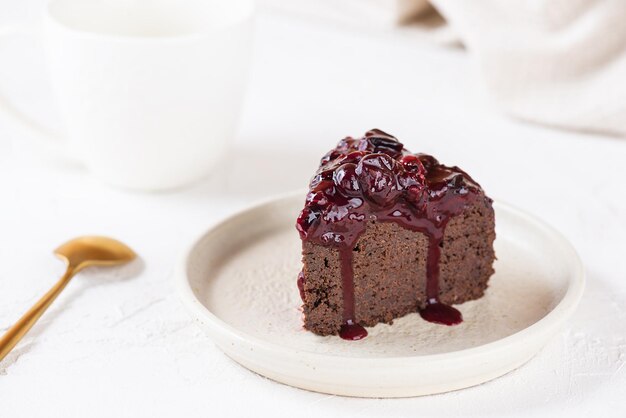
88	251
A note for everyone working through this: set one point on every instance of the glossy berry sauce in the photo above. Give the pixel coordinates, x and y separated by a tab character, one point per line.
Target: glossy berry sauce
376	178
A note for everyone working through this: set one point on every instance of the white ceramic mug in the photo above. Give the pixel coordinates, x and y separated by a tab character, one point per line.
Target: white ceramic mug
150	90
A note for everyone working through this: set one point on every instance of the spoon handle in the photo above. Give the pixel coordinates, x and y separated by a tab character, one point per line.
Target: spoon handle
25	323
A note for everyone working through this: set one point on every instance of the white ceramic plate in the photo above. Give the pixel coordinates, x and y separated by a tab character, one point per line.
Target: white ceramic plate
238	281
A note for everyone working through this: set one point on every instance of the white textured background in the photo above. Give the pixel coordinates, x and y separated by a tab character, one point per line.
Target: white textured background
115	345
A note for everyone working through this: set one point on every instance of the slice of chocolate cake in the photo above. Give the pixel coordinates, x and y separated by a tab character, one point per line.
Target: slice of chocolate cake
385	233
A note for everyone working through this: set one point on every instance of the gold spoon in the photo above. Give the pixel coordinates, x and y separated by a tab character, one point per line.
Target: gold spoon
78	254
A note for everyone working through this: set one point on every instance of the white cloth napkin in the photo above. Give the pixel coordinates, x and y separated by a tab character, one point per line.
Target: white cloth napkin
555	62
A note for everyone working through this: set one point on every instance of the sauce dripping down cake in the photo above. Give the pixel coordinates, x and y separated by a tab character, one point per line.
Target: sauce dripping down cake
385	233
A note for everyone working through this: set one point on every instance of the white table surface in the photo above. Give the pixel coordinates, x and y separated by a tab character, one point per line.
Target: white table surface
125	347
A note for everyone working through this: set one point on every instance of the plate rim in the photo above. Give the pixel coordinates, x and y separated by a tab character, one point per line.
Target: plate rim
552	320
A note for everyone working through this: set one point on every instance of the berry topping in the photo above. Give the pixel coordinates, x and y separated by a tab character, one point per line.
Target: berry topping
321	176
377	178
428	161
347	144
413	164
317	199
305	220
330	156
376	169
384	143
325	186
346	180
354	157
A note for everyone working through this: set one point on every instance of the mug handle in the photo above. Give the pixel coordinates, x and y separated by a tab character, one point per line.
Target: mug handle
47	139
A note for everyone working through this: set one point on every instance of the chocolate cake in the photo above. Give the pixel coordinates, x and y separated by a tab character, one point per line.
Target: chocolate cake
386	233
